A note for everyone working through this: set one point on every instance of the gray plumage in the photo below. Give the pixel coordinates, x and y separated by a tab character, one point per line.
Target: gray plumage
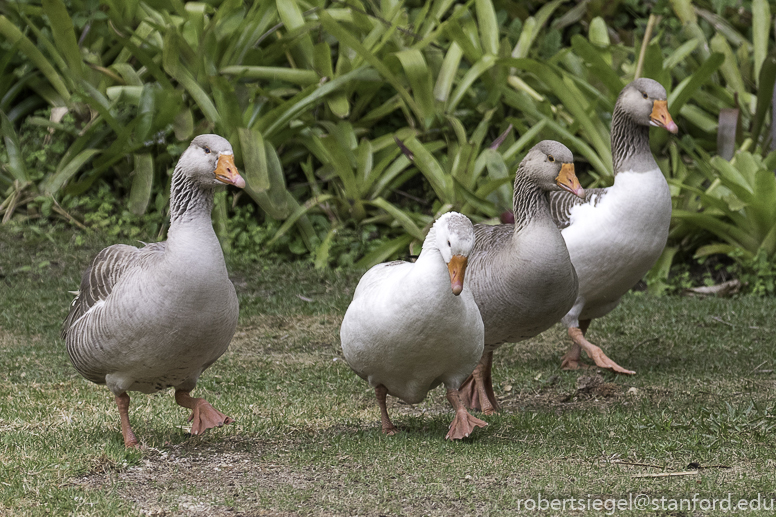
521	275
156	317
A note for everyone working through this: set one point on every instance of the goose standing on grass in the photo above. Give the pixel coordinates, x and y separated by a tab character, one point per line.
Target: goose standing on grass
616	234
521	275
411	327
156	317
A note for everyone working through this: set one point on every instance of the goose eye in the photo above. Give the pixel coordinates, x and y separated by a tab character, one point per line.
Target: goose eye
207	150
550	158
448	244
643	94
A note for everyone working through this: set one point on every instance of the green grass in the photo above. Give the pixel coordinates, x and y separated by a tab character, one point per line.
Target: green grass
307	437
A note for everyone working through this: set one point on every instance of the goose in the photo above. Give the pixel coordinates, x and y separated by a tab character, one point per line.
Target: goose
156	317
521	275
616	234
412	327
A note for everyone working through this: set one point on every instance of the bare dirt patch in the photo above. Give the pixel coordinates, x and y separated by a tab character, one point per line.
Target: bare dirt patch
197	478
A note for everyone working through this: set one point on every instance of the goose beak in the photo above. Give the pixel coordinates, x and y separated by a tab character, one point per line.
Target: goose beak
457	268
661	118
568	181
226	171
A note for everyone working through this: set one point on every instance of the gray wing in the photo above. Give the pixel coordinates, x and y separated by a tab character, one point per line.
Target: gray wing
102	275
562	202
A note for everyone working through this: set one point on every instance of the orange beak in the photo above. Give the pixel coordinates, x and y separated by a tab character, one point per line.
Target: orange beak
661	118
567	180
457	268
226	171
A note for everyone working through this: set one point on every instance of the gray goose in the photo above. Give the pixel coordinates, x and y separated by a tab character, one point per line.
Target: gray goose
521	275
156	317
411	327
616	234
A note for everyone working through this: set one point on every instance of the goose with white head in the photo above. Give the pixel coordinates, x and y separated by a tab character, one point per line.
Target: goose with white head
412	327
156	317
521	275
616	234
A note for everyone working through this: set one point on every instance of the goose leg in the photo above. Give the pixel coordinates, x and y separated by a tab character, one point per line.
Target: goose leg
130	440
477	390
572	357
463	424
388	427
203	416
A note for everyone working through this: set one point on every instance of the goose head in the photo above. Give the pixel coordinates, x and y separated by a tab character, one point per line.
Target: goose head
644	101
209	161
550	166
454	238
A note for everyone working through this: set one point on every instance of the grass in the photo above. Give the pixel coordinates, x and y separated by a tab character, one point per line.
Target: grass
307	439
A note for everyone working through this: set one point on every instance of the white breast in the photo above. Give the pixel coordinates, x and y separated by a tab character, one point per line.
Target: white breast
614	243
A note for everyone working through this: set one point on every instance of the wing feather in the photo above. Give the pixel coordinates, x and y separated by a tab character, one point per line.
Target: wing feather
562	202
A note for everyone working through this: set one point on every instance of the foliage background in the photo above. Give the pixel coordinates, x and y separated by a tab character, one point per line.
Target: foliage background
357	123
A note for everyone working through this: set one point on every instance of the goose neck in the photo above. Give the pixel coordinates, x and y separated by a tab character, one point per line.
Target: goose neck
630	143
529	202
189	202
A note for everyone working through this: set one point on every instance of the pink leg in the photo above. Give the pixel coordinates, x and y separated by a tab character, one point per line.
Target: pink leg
388	428
463	424
130	440
203	416
571	361
477	390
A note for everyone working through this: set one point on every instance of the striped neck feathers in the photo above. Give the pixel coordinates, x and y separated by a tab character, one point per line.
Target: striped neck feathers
529	202
630	143
188	199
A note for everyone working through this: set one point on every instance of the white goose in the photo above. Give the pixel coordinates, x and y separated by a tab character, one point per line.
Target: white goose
521	275
411	327
156	317
616	234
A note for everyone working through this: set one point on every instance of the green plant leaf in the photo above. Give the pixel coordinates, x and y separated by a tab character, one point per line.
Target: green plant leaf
142	182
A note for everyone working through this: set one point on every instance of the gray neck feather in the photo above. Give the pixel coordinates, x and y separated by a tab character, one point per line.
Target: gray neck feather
188	200
529	201
630	143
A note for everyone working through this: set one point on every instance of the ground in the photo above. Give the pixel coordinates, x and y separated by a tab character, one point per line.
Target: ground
307	440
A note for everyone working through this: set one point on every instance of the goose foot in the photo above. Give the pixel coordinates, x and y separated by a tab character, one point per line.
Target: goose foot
203	415
130	440
463	424
388	428
477	390
571	359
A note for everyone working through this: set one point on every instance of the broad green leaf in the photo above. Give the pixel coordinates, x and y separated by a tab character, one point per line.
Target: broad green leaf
292	18
690	85
598	67
488	26
13	149
298	213
254	157
419	77
480	67
430	168
142	183
338	102
64	35
273	73
55	182
761	23
15	37
400	217
346	38
767	79
385	251
729	68
448	72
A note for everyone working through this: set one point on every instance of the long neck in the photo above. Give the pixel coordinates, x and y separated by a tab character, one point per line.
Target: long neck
190	221
630	143
188	201
529	202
